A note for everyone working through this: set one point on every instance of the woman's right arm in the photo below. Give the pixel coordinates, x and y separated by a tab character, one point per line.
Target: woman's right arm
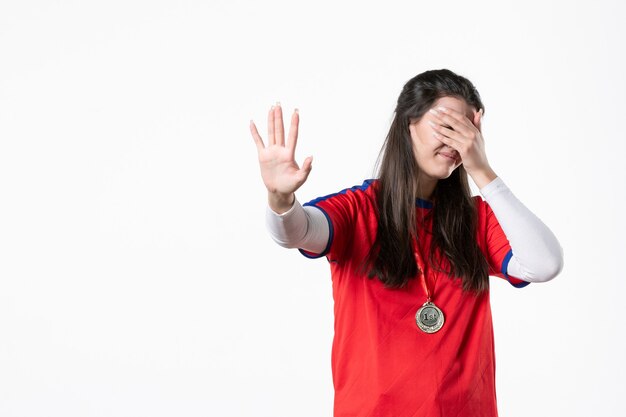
289	224
300	227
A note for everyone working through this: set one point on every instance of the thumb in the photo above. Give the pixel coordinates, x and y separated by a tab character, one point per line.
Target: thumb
307	165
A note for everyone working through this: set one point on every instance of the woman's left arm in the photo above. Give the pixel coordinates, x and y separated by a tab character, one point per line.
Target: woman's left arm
537	254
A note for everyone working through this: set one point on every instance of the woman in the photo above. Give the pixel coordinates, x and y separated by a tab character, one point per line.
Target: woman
411	253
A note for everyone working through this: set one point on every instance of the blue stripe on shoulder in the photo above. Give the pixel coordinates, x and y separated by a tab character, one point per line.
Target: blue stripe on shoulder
419	202
361	187
505	265
314	202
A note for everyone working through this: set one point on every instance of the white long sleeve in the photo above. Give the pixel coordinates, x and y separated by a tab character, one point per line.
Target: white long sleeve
537	254
300	227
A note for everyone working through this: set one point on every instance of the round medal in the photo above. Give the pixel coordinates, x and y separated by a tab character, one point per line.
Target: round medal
429	318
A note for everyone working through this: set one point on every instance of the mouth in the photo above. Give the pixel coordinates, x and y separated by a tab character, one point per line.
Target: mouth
448	156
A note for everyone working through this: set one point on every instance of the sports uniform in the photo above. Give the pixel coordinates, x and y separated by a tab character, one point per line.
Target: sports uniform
382	364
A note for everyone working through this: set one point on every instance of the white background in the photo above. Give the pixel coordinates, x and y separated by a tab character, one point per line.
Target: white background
136	274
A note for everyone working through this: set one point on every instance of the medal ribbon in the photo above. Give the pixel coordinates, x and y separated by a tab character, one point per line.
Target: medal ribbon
423	268
429	317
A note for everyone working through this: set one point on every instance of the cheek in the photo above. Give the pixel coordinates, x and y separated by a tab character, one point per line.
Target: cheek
427	139
424	143
421	132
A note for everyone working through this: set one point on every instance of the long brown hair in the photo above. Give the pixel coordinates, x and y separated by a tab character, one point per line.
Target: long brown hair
391	259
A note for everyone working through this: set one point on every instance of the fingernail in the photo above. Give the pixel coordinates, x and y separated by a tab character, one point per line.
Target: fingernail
297	111
278	104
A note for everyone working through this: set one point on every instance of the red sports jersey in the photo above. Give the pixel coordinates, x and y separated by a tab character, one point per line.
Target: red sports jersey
383	365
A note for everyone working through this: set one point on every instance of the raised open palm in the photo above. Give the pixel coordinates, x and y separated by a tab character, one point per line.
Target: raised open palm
279	170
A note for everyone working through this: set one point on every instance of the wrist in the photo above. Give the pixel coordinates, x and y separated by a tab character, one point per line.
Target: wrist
280	203
483	177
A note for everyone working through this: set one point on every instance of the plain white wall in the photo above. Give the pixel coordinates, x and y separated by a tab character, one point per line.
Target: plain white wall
136	274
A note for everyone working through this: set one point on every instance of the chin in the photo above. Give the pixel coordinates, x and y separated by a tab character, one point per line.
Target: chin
442	175
440	172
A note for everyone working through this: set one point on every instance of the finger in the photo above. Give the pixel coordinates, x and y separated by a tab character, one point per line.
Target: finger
293	132
270	127
446	131
480	120
279	129
257	138
450	142
459	122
